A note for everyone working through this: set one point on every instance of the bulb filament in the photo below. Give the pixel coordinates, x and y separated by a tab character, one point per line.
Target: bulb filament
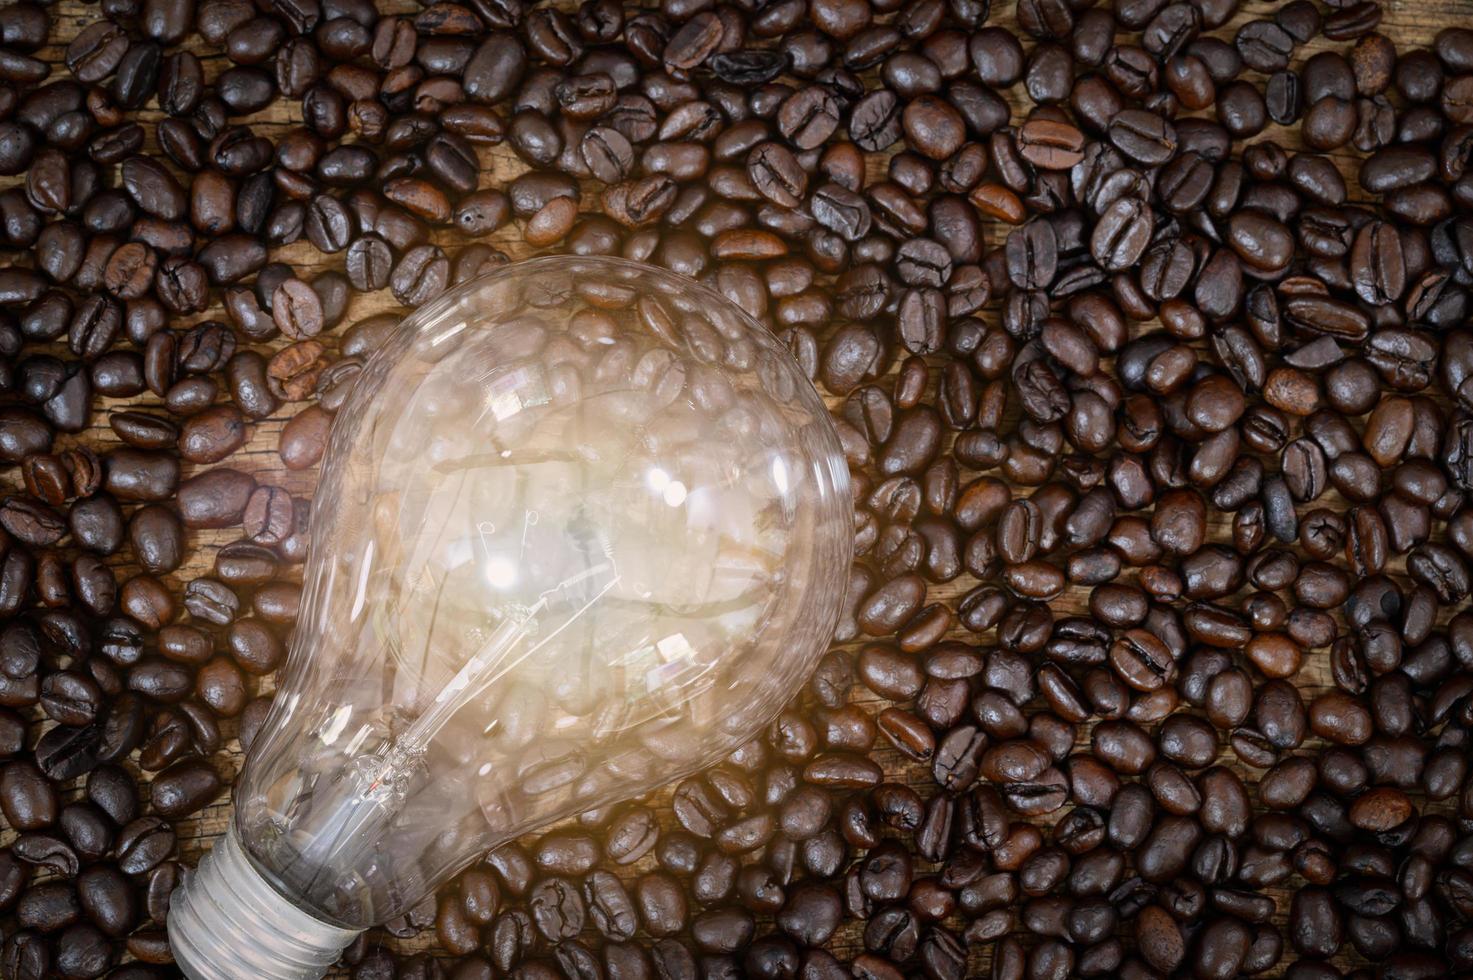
379	782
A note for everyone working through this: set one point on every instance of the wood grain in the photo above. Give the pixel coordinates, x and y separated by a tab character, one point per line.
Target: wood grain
1409	23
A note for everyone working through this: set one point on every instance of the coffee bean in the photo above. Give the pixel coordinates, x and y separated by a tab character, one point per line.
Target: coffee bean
211	601
296	309
184	788
143	844
292	372
776	174
1032	255
140	475
304	438
1050	144
153	188
1122	234
212	435
808	117
254	646
31	522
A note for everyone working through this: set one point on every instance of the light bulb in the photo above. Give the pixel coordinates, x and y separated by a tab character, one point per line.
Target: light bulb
583	527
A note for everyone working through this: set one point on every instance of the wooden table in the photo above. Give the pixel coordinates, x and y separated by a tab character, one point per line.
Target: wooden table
1409	23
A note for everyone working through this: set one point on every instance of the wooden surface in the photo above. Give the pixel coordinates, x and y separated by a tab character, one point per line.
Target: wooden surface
1409	23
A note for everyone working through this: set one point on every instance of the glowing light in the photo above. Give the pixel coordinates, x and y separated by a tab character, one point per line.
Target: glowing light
501	572
675	493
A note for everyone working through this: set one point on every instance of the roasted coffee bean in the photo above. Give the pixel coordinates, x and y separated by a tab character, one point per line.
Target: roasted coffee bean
776	174
808	117
26	797
1050	144
1122	234
422	274
297	310
212	435
1032	255
143	844
184	788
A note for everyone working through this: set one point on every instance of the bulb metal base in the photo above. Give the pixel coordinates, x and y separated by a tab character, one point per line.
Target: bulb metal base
227	922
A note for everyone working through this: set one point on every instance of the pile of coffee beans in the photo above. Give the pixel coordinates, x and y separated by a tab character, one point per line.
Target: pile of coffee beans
1145	325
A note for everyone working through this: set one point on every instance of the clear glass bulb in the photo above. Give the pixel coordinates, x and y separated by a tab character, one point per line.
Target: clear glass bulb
582	529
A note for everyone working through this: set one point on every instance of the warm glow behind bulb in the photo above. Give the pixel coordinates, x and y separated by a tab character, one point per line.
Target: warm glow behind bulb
584	527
